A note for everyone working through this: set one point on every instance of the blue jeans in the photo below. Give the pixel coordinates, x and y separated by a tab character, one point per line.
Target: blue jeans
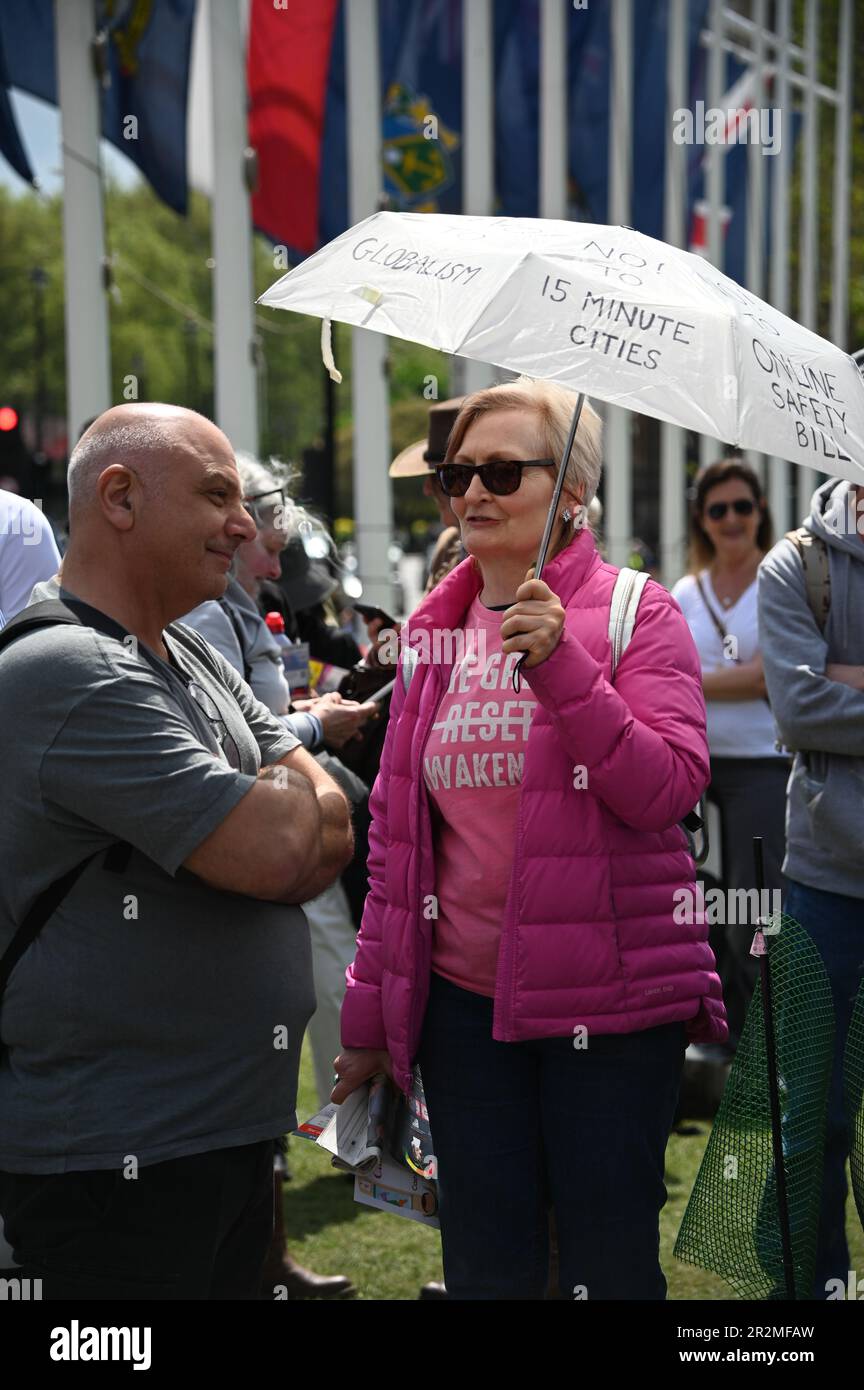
835	924
521	1127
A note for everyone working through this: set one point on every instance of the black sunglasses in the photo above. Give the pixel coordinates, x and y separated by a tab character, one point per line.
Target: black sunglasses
742	506
220	729
277	494
501	477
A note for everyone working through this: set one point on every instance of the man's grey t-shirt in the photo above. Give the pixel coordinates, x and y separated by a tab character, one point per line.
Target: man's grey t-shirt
153	1016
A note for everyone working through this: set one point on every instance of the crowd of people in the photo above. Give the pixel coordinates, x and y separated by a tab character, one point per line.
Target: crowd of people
486	859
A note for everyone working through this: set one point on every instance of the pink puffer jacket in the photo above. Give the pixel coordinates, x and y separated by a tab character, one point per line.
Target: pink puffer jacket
588	935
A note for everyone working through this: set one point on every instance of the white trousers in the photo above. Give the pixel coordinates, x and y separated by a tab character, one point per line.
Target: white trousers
334	943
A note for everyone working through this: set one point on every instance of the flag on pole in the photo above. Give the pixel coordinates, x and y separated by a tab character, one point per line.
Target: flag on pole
11	146
298	112
146	49
288	66
589	60
144	104
421	113
298	119
739	127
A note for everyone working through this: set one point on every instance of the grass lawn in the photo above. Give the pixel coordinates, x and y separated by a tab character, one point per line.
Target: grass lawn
388	1257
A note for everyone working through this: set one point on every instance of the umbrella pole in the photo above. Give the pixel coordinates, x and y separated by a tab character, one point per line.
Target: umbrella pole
773	1086
550	519
559	483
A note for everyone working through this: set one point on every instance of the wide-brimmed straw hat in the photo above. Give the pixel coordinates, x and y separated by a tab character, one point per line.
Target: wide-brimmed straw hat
420	458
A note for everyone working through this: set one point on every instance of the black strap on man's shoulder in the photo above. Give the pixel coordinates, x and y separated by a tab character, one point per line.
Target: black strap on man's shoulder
50	613
45	614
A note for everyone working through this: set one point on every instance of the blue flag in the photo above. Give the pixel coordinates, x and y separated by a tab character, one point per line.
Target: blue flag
420	47
147	51
590	106
735	102
421	78
11	146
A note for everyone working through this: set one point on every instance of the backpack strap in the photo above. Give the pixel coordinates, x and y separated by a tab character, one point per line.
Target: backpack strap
41	909
622	611
408	662
817	572
45	614
50	613
629	585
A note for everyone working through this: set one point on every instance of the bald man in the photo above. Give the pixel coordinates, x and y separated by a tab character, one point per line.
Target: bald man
151	1032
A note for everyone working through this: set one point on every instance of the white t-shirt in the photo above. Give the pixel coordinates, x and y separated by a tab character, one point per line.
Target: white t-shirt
736	728
28	552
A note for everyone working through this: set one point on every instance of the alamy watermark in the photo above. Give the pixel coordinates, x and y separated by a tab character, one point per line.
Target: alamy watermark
852	1289
440	646
15	1290
848	519
734	907
77	1343
28	522
737	126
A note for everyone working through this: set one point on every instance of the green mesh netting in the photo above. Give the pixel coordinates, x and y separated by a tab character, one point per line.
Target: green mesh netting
853	1086
731	1225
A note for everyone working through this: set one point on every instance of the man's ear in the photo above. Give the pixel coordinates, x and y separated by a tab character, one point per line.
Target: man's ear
117	488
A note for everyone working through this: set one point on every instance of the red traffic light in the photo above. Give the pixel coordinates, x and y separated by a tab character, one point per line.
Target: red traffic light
8	418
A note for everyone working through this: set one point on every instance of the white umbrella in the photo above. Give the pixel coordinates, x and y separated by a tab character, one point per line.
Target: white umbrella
603	310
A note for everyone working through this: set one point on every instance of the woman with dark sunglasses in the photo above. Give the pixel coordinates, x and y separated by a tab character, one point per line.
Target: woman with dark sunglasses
730	532
520	941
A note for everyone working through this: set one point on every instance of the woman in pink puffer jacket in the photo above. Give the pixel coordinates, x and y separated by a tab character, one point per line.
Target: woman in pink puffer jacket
523	938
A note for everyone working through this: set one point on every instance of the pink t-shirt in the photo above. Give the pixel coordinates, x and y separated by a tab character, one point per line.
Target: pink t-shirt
472	767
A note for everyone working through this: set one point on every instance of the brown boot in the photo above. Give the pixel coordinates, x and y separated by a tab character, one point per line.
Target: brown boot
303	1283
283	1278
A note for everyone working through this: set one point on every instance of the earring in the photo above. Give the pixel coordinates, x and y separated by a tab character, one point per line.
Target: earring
565	516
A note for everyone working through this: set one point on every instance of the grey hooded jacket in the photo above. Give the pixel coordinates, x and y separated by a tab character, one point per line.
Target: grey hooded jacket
822	720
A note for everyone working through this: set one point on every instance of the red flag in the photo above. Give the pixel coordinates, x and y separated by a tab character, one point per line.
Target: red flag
289	59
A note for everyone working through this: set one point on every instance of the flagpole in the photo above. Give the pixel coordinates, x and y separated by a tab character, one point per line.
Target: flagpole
478	150
715	181
673	475
778	469
236	400
755	248
88	365
370	404
553	109
807	478
840	267
618	447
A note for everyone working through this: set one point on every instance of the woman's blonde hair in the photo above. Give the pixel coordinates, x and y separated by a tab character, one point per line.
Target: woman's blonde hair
554	406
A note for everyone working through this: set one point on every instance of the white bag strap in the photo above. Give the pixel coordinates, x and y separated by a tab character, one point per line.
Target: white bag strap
409	663
622	611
